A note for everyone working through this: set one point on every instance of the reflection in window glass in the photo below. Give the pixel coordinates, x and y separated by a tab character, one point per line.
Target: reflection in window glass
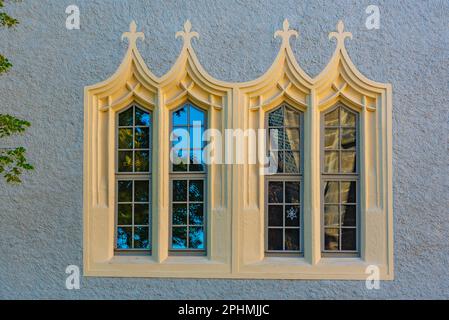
340	176
283	191
133	192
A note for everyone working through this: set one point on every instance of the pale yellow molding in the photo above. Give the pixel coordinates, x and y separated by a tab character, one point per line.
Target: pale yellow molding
236	192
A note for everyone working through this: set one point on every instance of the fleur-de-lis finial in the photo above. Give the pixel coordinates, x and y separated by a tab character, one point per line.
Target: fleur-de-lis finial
133	35
187	34
340	35
286	32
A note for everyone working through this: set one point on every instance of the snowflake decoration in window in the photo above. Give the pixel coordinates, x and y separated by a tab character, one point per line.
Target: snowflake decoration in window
291	214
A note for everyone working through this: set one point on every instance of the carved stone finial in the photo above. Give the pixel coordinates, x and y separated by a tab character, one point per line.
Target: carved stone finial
340	35
187	34
133	35
286	32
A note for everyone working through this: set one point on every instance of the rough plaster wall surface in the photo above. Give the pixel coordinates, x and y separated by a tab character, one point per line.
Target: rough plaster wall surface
41	220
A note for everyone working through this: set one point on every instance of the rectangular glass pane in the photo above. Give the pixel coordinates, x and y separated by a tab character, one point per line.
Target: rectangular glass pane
348	215
141	238
125	161
348	137
179	214
143	118
292	141
292	192
275	192
292	215
196	190
125	138
142	161
331	192
348	192
141	191
291	118
331	217
196	161
292	239
331	137
331	162
124	214
348	239
179	237
180	160
124	238
125	192
347	118
276	118
196	212
196	238
331	238
179	190
275	239
275	215
291	162
348	163
142	138
276	139
180	117
141	214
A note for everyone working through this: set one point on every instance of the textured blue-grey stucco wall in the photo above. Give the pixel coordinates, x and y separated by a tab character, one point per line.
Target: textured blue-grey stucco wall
41	220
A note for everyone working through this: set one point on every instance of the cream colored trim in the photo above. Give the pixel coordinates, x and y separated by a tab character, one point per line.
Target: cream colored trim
236	202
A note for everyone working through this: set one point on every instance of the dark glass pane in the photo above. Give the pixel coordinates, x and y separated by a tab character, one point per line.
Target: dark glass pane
141	191
196	214
275	215
276	118
196	137
331	239
276	139
331	137
292	239
180	160
196	190
125	161
331	161
348	215
348	239
141	238
348	138
330	192
179	214
292	141
124	237
292	216
280	162
125	192
347	118
125	138
126	118
291	162
348	162
142	161
179	190
141	214
331	118
142	138
275	239
196	116
331	218
143	118
180	117
291	118
179	238
348	192
196	238
275	192
124	214
196	161
292	192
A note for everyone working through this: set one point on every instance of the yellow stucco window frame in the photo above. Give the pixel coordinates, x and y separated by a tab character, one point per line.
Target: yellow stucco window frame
235	221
